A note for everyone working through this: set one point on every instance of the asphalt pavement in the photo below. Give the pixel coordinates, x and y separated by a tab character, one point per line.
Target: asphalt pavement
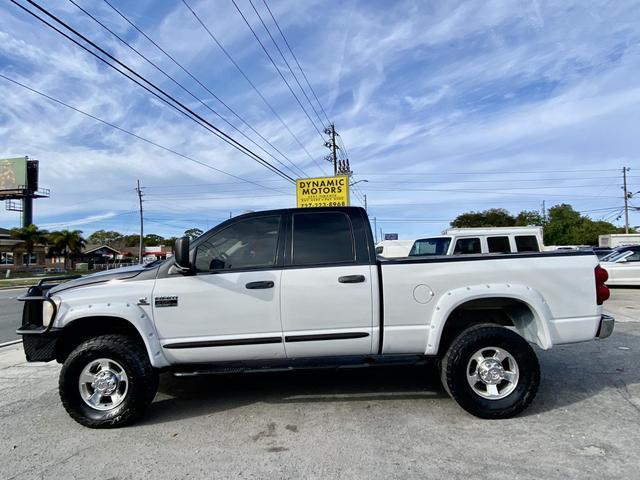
364	423
10	314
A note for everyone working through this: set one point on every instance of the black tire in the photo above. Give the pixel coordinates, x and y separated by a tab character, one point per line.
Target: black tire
142	380
455	363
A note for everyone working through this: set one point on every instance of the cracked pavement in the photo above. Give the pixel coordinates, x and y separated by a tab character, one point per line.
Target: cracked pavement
363	423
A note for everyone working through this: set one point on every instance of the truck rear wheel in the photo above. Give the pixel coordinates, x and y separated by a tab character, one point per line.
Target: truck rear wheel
491	371
107	382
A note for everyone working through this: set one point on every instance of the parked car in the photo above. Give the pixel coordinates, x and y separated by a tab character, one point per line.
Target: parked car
464	241
394	248
302	288
623	266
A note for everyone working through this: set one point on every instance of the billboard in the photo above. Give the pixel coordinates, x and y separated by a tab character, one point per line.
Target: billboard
322	192
13	174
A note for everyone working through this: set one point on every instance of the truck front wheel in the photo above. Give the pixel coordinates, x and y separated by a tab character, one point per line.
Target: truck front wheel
491	371
107	382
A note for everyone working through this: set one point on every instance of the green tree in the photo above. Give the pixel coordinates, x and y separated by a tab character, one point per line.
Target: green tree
193	233
568	227
67	242
153	240
528	217
493	217
104	237
131	240
31	236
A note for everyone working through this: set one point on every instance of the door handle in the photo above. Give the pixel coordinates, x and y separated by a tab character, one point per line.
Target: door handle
351	279
259	285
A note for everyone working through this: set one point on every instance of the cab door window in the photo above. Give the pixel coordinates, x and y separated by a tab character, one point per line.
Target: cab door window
466	246
246	245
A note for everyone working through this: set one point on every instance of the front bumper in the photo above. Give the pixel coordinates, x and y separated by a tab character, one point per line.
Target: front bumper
605	329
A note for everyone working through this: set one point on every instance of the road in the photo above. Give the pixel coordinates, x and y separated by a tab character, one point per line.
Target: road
10	314
365	423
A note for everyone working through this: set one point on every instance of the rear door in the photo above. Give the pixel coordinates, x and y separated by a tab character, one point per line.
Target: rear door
327	286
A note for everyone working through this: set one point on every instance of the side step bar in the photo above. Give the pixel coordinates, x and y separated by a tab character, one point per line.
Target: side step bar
285	365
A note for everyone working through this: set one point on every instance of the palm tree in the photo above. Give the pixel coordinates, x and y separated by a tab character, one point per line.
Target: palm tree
67	241
30	236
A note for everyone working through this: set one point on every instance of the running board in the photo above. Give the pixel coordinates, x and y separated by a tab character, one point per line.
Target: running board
286	365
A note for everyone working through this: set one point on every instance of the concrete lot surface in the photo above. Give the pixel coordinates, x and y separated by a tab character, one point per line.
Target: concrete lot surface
364	423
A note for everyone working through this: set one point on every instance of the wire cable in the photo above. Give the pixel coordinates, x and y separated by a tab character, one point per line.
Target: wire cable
255	35
297	62
180	106
180	85
207	89
228	55
295	77
135	135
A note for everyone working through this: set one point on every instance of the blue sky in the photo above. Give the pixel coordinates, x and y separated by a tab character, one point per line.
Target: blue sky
444	107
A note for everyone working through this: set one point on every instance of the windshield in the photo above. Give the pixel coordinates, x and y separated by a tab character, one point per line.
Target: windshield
614	256
430	246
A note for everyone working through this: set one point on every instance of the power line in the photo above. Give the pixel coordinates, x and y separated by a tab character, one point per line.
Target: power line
181	86
274	63
295	77
123	130
228	55
193	77
181	108
492	173
297	62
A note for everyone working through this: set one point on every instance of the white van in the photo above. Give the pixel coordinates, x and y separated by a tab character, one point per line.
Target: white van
394	248
464	241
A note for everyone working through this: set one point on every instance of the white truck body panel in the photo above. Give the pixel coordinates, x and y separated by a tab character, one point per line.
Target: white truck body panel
559	317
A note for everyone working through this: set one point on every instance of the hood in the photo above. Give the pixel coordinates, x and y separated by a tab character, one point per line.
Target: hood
124	273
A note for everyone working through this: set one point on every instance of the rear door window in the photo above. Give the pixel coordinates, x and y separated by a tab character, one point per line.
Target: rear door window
498	245
466	246
430	246
527	243
322	238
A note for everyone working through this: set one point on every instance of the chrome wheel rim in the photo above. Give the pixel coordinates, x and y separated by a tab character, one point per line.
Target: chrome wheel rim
493	373
103	384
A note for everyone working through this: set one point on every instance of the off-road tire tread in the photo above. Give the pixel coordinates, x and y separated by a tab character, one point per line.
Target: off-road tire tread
142	386
487	334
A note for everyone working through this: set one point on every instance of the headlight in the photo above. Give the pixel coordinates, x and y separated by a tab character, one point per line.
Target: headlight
48	311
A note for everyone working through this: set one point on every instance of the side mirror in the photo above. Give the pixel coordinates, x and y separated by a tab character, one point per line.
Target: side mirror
181	248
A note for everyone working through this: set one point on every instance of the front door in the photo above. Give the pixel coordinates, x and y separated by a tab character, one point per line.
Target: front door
327	306
230	308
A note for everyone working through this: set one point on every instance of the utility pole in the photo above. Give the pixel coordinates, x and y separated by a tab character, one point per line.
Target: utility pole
340	167
626	199
141	243
365	202
544	212
375	228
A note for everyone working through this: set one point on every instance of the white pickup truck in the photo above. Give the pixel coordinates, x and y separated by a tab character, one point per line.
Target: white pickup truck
294	288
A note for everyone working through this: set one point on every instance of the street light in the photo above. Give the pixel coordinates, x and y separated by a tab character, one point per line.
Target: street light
365	195
359	181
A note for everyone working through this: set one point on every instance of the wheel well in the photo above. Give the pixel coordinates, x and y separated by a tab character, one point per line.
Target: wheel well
508	312
85	328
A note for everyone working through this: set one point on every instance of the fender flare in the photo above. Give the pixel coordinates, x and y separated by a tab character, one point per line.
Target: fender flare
133	314
537	331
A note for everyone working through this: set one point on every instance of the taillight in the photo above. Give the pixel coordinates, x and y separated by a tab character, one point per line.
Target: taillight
602	291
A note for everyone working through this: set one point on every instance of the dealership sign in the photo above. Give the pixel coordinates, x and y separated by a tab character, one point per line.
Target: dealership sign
322	192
